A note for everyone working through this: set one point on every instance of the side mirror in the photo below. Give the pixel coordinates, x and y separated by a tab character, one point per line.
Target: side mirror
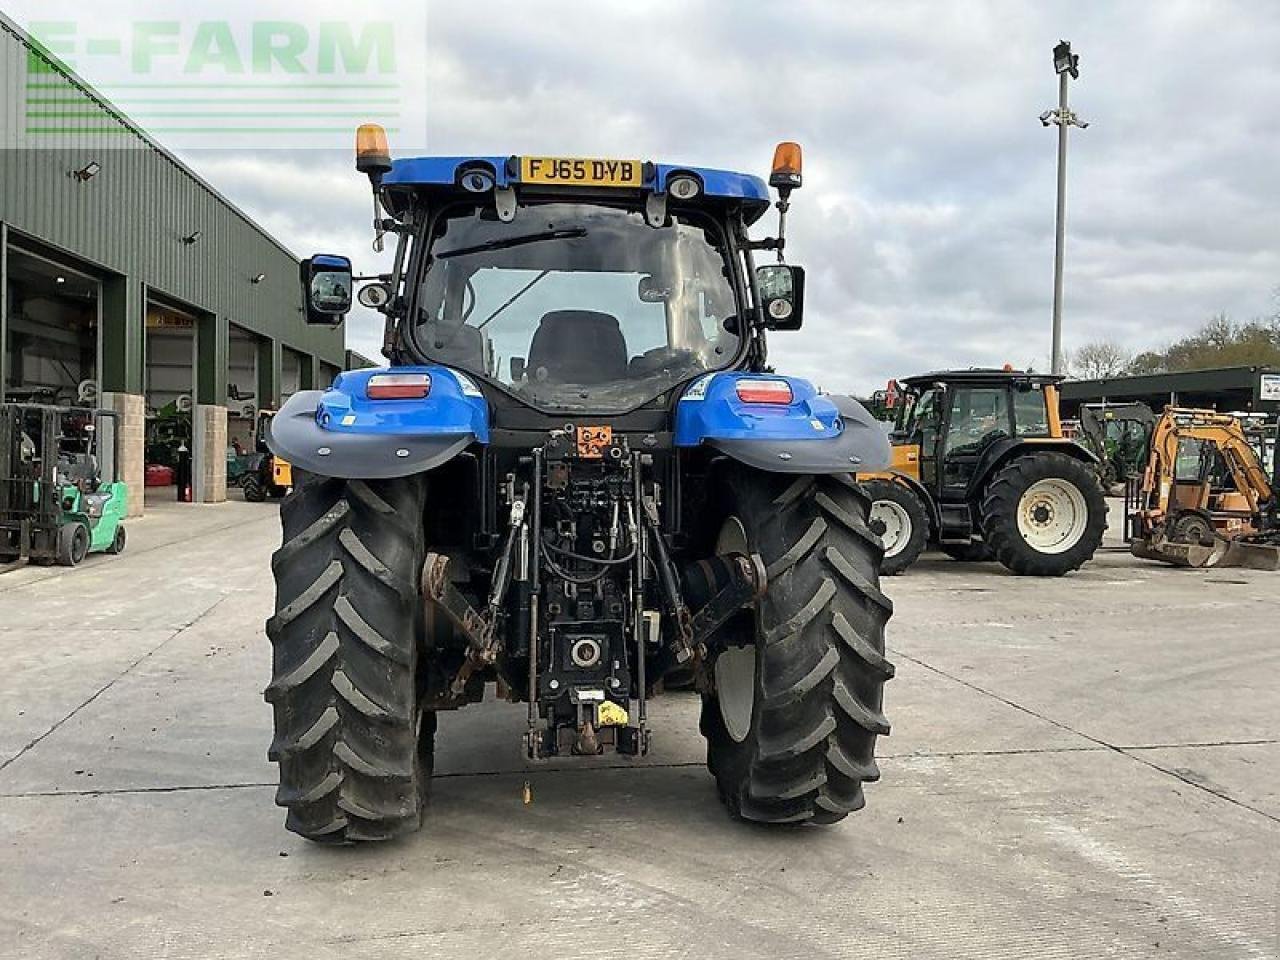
781	295
326	288
517	369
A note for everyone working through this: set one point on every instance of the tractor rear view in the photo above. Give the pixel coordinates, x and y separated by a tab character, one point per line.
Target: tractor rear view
981	469
1205	499
576	476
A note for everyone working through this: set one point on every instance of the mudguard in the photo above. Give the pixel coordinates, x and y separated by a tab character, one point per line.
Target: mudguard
1000	452
814	433
340	432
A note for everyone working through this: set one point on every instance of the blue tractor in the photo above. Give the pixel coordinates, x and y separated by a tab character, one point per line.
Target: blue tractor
577	476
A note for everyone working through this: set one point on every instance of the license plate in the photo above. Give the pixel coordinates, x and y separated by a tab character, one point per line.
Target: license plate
568	171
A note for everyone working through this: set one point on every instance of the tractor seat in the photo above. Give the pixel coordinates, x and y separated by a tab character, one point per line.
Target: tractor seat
578	346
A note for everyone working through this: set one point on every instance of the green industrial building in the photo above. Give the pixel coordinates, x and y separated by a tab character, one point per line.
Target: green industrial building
130	283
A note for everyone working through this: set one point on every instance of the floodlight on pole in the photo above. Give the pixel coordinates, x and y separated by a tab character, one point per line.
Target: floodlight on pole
1065	64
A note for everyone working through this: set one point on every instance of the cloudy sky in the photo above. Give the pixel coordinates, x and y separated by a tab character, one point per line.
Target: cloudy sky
926	219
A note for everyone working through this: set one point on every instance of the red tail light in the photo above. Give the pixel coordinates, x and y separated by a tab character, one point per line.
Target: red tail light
399	386
764	391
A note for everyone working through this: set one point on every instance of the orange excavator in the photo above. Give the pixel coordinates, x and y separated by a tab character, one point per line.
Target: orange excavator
1204	499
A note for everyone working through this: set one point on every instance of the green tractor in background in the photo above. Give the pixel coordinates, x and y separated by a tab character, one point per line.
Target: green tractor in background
59	501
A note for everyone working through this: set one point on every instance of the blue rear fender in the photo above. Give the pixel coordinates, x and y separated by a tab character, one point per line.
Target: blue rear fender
340	432
813	433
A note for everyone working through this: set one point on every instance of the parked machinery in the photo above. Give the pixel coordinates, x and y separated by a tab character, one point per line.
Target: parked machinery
58	499
1205	498
1119	435
980	467
264	474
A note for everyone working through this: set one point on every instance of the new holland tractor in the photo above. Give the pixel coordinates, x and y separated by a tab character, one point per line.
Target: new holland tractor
576	475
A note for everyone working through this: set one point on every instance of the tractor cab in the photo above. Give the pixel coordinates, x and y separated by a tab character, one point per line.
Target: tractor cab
952	420
955	432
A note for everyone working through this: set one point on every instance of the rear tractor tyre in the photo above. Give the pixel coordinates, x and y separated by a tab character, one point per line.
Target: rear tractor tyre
1044	514
795	707
118	541
899	519
352	741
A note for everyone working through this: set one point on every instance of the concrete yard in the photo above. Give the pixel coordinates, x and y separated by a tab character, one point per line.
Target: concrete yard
1087	767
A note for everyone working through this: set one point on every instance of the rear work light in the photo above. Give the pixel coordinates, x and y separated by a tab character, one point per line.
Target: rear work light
764	391
399	386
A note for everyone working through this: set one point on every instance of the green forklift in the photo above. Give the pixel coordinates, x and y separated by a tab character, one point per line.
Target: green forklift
59	501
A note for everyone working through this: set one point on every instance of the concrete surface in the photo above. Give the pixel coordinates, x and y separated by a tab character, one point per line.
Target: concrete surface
1079	768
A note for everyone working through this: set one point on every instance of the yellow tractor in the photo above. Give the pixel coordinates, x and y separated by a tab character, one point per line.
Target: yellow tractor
1205	499
981	469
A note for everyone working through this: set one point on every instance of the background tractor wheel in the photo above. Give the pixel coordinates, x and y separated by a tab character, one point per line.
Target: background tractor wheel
254	491
118	541
975	552
792	719
354	746
899	519
1044	514
73	543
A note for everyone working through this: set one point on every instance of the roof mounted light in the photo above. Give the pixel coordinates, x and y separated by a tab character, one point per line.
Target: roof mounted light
788	162
373	156
398	386
682	186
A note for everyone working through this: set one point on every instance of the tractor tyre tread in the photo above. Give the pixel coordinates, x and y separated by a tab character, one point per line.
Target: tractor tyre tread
353	749
820	657
253	489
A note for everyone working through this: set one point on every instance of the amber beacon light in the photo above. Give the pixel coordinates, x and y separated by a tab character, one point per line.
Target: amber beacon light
787	165
373	156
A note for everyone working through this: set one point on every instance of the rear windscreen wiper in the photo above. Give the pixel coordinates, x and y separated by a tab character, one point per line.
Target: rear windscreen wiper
502	243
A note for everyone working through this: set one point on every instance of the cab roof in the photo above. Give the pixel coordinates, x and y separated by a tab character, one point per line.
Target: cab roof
978	375
444	174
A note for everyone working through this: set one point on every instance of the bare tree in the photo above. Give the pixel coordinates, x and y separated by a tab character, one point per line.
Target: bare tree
1098	360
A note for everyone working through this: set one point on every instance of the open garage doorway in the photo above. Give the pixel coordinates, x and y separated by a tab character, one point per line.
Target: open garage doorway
52	345
245	404
170	392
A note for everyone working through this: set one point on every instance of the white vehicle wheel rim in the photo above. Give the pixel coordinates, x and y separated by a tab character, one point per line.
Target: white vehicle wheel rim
897	525
735	669
1052	516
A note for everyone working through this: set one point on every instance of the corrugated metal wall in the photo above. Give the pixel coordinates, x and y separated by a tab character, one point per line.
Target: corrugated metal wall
131	217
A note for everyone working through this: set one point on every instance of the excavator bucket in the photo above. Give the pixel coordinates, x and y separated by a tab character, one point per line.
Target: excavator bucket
1251	556
1220	553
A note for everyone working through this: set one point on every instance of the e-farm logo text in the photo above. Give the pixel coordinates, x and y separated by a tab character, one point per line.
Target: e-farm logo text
220	83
